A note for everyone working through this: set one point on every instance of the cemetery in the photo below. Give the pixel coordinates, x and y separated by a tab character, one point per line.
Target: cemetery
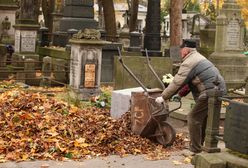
71	90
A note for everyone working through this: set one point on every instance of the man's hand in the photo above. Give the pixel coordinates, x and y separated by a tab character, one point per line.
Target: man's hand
159	100
176	98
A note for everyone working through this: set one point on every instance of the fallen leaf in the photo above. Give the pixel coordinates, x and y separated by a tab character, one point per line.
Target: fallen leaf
175	162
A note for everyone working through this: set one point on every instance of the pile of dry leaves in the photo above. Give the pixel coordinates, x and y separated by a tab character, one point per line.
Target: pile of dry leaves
34	126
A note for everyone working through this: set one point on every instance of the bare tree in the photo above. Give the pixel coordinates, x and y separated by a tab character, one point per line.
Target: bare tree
109	19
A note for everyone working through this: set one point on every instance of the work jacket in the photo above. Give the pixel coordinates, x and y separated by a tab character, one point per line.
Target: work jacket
200	75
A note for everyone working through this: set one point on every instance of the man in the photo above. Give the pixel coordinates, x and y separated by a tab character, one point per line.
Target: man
200	75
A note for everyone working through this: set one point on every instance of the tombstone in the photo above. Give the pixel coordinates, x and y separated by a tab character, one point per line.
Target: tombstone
152	38
135	41
124	37
8	9
57	14
29	69
60	70
109	52
77	14
85	65
229	38
60	38
46	71
207	40
26	28
43	37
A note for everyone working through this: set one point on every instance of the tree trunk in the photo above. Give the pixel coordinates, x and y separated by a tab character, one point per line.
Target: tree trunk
176	22
134	14
47	9
109	19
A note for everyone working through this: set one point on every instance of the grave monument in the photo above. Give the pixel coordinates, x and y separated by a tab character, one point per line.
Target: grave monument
8	9
85	65
26	28
229	40
77	14
57	14
152	38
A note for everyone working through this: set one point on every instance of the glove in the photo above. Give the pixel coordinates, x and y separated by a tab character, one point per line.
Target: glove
159	100
176	98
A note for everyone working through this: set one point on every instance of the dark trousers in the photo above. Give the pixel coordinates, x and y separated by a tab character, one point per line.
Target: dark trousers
197	121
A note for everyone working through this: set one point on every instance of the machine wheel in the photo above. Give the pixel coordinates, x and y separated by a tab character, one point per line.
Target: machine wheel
166	134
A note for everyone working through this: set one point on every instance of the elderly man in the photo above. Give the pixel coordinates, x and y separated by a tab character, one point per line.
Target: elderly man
200	75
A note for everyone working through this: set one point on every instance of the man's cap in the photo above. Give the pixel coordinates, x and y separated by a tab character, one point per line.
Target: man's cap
188	43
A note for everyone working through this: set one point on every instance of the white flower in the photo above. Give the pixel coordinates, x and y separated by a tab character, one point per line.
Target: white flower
167	78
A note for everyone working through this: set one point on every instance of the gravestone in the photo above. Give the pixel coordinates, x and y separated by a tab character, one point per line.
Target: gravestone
135	41
77	14
85	65
207	40
229	39
30	74
26	28
124	37
46	71
57	14
8	9
109	52
152	38
43	37
59	70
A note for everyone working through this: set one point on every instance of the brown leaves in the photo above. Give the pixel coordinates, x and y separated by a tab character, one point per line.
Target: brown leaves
34	126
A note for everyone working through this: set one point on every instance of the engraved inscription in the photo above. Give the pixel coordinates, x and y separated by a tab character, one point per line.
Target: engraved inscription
28	39
90	70
233	35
